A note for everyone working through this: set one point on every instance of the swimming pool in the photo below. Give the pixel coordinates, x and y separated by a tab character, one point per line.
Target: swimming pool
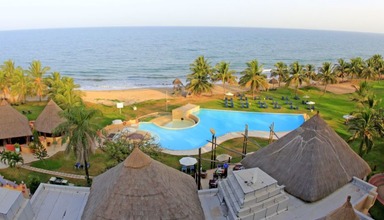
223	122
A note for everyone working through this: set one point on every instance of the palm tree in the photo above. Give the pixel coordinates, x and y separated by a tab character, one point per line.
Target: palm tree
363	128
281	70
369	72
253	77
377	63
342	69
309	72
21	85
67	94
80	129
199	80
6	72
15	158
36	72
224	74
356	67
362	92
297	76
327	75
53	82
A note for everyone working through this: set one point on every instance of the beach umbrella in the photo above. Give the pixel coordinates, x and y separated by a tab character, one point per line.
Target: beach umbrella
136	136
229	94
310	103
223	157
188	161
306	96
273	81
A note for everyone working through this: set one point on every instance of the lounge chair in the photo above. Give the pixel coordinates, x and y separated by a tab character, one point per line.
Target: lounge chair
78	165
184	169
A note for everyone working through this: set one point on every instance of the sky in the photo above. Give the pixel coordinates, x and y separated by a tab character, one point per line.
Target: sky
343	15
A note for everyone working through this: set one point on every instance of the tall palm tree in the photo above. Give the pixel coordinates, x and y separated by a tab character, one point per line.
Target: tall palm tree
36	72
377	63
356	67
297	76
253	78
309	72
6	72
67	94
327	75
281	71
80	130
363	128
53	82
224	74
370	71
342	69
199	80
362	92
21	85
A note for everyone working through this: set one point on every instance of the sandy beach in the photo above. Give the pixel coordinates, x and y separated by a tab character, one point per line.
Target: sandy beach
131	96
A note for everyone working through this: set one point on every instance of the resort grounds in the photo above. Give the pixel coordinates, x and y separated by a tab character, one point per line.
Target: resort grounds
332	105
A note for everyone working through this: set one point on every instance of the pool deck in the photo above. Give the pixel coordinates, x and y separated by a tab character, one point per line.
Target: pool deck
207	148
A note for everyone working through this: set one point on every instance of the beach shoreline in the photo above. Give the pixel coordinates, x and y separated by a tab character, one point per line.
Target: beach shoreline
137	95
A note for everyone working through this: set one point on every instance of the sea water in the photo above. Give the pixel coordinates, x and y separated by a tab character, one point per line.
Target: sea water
135	57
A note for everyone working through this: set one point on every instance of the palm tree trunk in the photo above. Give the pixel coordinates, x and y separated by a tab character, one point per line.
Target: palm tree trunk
86	170
325	88
361	148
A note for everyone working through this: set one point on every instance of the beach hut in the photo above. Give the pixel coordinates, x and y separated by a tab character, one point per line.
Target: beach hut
177	86
142	188
14	127
48	119
345	212
311	161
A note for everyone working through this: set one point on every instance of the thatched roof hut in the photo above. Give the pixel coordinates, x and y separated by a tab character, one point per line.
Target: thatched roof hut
12	123
142	188
311	161
49	118
345	212
177	82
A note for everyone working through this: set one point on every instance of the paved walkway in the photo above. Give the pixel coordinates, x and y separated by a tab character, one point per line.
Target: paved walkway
54	173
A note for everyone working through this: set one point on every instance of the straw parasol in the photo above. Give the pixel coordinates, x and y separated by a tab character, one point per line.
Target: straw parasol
223	157
177	83
12	123
142	188
345	212
49	118
311	161
273	81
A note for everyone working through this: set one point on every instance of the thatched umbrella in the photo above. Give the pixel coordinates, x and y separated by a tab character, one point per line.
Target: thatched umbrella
142	188
177	85
273	81
49	118
345	212
311	161
12	123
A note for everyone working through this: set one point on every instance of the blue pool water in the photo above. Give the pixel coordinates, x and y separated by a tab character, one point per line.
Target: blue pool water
223	122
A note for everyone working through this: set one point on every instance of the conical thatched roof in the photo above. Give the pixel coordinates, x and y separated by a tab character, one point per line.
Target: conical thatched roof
273	81
311	161
49	118
345	212
12	123
177	82
142	188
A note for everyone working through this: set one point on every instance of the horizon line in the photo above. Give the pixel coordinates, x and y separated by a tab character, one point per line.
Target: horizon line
177	26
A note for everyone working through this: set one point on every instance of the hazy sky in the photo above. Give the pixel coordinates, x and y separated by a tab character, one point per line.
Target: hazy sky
348	15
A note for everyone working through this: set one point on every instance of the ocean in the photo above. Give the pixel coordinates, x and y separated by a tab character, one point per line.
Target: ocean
138	57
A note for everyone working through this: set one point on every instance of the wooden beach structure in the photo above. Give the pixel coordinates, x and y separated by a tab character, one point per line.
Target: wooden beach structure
14	127
142	188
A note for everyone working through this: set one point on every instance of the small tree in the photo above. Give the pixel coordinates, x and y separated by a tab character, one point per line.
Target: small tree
33	183
40	152
14	159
